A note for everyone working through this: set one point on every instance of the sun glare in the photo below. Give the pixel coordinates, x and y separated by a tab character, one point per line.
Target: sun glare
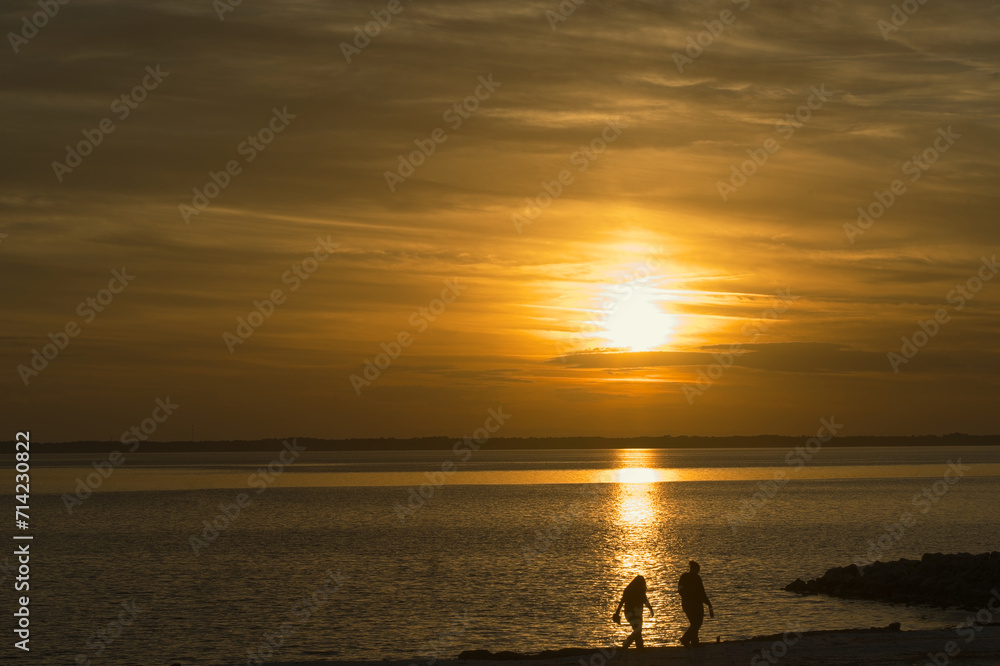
636	321
636	475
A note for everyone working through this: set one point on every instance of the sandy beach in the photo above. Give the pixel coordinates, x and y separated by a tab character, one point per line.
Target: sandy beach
821	648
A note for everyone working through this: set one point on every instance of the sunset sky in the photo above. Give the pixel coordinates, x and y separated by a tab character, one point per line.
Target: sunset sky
594	319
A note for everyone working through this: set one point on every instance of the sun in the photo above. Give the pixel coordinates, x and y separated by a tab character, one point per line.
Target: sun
636	321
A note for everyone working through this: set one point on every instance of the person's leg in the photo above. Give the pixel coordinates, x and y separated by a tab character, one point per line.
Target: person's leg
697	619
636	623
695	616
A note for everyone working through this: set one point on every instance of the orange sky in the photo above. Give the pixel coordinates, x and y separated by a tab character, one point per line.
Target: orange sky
602	311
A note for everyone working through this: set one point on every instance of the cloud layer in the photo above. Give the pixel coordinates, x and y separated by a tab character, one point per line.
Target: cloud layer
522	332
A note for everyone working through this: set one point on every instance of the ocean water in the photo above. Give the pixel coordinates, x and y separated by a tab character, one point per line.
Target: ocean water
517	550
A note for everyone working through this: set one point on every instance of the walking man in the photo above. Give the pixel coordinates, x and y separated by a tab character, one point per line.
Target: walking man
693	601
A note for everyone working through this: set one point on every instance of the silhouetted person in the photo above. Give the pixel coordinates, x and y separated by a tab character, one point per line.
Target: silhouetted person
633	599
693	598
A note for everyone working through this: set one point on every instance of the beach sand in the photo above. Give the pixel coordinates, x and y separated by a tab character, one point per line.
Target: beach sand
836	648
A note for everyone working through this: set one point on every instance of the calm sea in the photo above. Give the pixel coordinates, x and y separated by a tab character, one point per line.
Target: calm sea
340	557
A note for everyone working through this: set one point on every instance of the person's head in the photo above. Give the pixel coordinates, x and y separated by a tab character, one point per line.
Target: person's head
695	567
638	584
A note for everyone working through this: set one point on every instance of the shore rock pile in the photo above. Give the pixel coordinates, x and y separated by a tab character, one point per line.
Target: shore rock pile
946	580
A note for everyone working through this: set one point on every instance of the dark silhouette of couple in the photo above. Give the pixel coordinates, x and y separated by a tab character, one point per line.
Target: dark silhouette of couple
693	601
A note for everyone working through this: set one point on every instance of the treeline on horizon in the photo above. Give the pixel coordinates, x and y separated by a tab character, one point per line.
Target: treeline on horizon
442	443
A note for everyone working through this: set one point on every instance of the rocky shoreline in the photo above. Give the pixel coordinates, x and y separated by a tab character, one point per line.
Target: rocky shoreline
959	580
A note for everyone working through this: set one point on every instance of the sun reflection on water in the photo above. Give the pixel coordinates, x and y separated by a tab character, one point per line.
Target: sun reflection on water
635	500
636	475
640	514
635	487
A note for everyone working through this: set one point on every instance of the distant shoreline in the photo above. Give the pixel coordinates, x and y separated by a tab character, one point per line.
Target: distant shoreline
528	443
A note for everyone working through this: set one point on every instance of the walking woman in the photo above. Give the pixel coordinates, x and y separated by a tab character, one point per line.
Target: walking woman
633	599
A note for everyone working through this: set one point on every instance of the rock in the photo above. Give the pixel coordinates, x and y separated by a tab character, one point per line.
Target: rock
959	580
476	654
797	585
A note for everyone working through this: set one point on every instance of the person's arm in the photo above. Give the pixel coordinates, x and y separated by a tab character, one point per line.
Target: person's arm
645	600
711	612
616	615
